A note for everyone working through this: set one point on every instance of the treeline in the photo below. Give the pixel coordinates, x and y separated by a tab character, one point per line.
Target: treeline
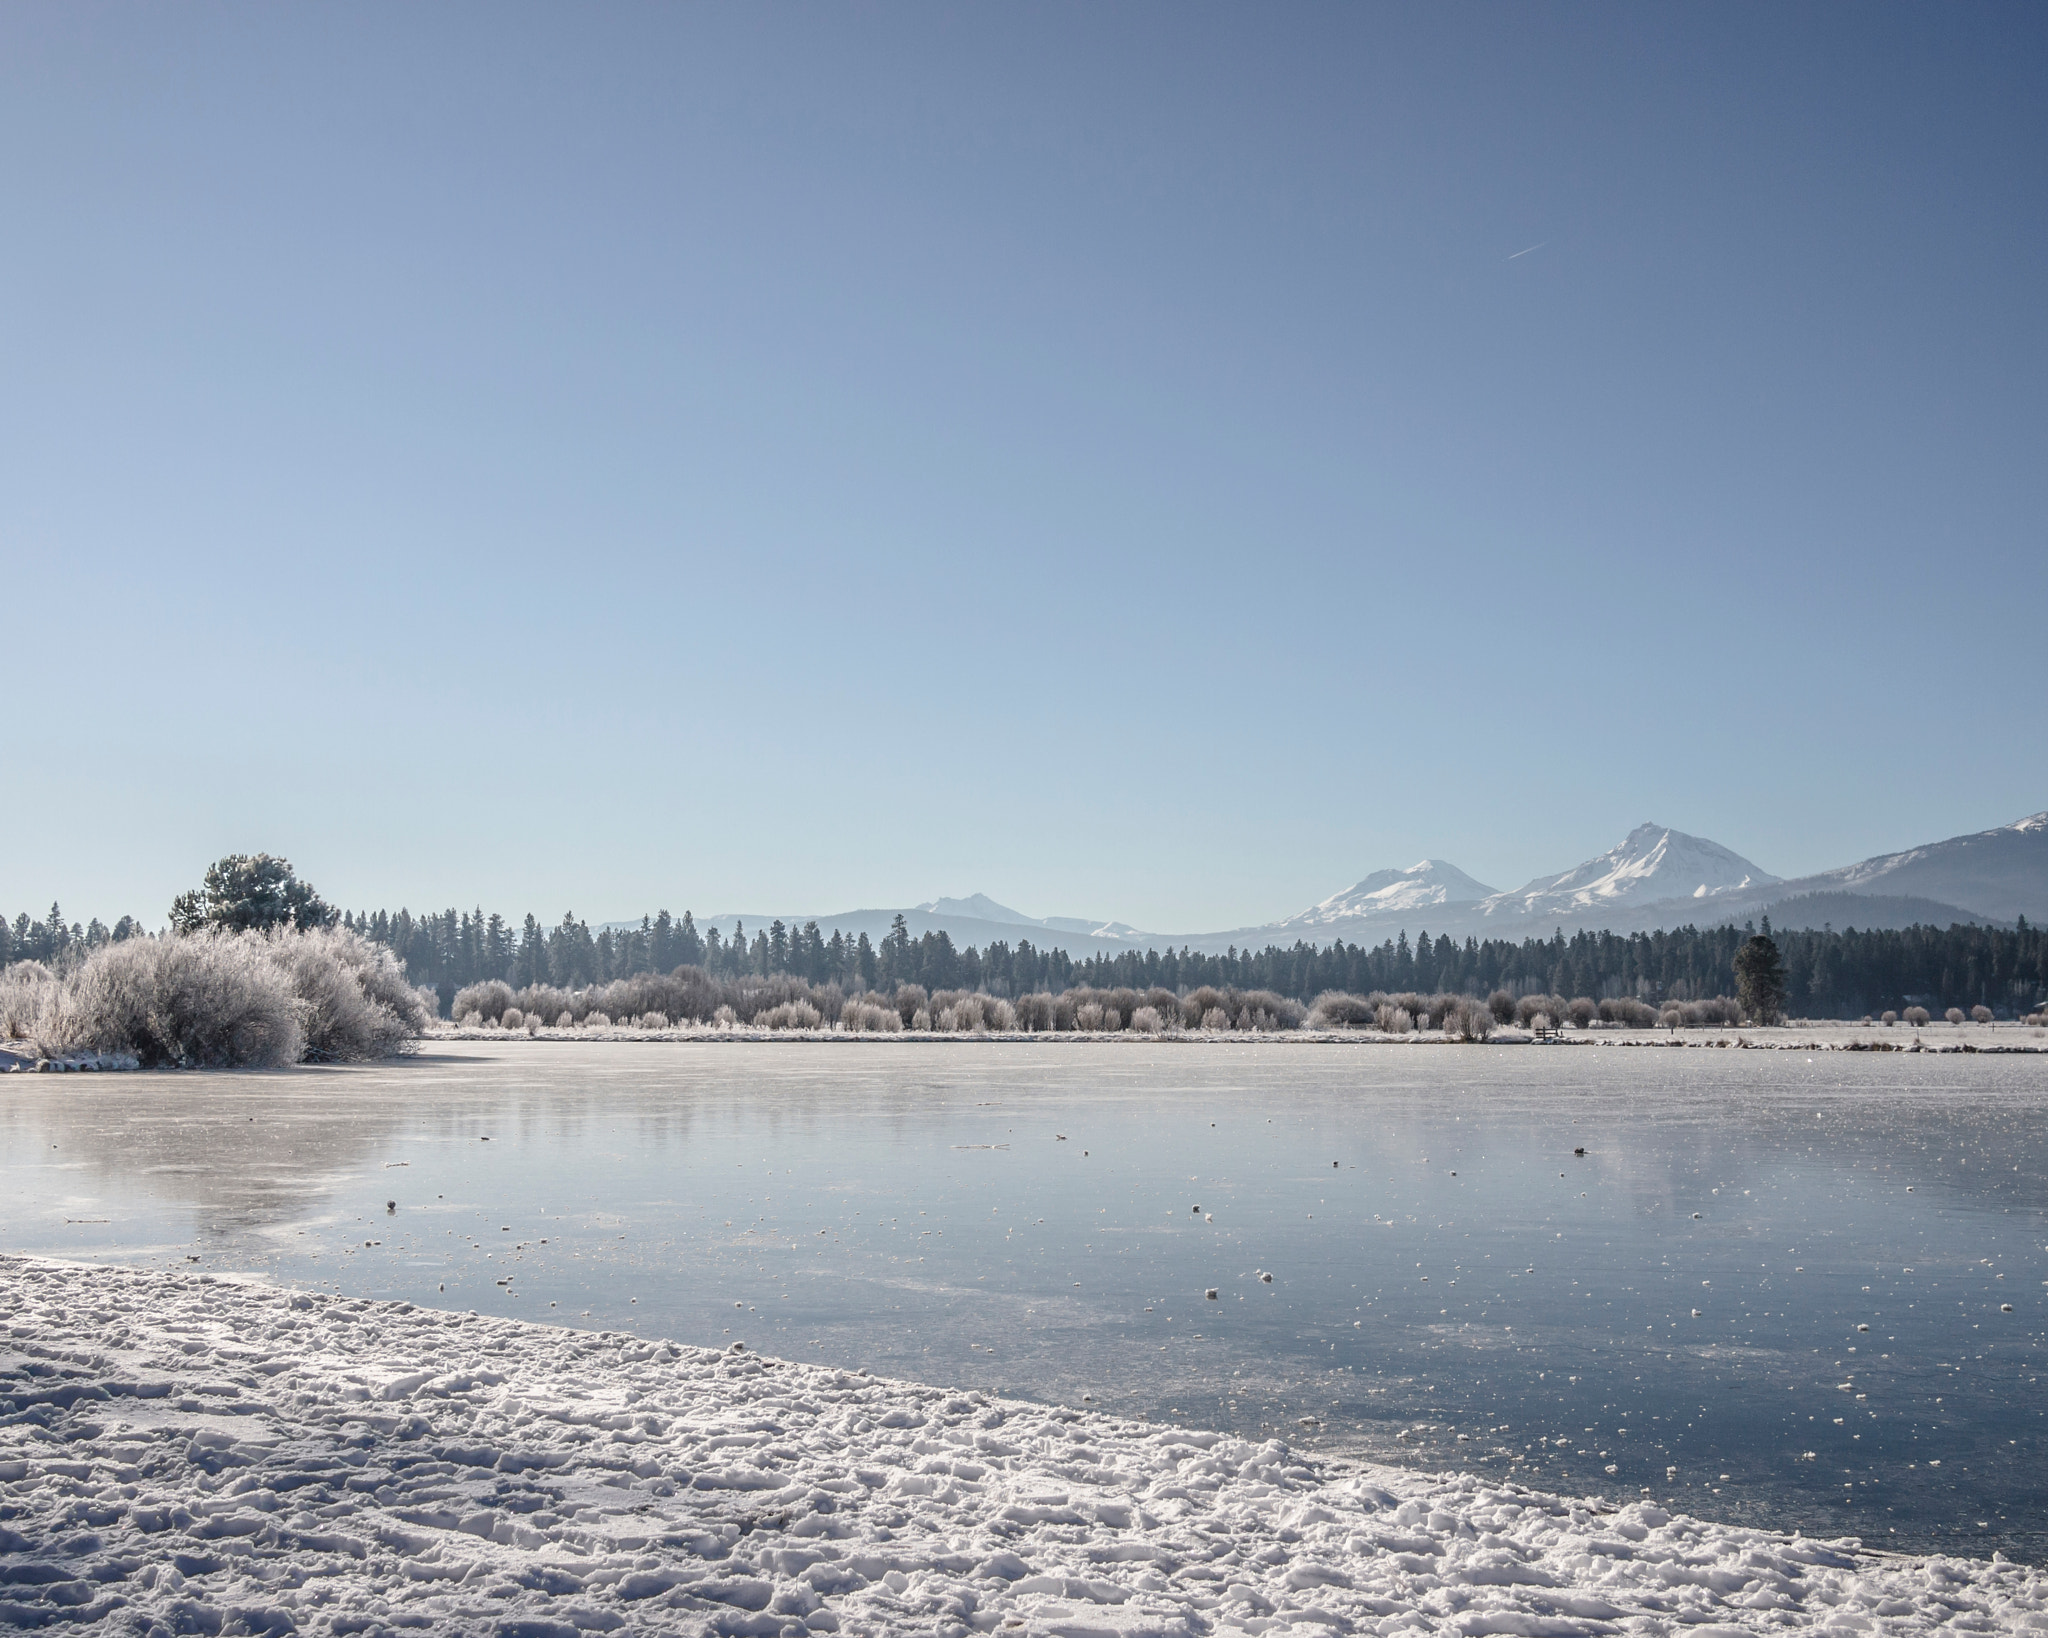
452	949
56	944
1828	974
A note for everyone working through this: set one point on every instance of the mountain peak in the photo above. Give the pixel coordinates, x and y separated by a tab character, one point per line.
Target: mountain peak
978	906
1385	892
1653	862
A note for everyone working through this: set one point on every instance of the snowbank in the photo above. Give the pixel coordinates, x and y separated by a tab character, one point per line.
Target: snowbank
187	1454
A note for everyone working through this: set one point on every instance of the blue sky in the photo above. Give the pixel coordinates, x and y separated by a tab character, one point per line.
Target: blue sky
1159	462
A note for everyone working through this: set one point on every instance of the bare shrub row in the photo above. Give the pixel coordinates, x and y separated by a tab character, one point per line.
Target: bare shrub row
689	996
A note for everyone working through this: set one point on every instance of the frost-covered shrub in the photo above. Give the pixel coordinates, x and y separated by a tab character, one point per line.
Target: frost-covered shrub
1065	1010
514	1018
1626	1009
356	1001
596	1020
790	1015
234	999
1672	1017
1954	1015
958	1010
998	1014
1502	1006
1215	1019
1268	1011
1466	1020
1981	1014
1146	1021
471	1020
921	1019
1197	1004
871	1015
911	999
25	989
1034	1013
1540	1022
1889	1019
212	999
1526	1009
653	1020
489	998
1916	1016
1582	1010
1335	1009
1088	1016
725	1018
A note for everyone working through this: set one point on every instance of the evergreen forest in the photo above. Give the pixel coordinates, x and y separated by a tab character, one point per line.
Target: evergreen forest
1828	973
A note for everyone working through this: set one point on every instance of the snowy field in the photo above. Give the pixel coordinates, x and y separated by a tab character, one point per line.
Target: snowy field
181	1453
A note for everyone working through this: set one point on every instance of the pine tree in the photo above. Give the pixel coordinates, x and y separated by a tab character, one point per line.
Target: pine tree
1760	979
244	891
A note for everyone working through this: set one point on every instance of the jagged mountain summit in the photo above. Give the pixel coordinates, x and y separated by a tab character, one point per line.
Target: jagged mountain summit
1392	892
1652	864
978	906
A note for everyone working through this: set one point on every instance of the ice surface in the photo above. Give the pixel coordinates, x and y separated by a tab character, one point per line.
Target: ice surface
186	1454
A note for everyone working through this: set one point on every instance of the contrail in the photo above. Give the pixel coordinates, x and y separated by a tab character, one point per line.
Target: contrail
1521	253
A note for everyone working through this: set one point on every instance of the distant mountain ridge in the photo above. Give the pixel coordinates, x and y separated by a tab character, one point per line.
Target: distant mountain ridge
2001	873
980	907
1656	877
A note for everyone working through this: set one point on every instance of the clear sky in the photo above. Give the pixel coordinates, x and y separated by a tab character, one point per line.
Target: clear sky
1149	461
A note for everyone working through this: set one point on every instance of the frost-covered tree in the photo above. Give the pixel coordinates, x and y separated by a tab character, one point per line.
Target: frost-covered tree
248	892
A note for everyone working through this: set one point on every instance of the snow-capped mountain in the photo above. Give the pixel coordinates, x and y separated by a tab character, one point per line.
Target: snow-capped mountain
1392	892
1654	863
1657	877
2001	872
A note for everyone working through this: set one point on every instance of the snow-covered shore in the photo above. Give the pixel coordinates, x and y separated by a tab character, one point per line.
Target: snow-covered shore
1824	1035
181	1453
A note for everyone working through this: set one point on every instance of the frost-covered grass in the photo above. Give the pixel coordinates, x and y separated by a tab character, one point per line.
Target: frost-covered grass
182	1454
217	1000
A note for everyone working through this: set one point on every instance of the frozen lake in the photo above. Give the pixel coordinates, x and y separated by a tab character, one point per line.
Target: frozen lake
1676	1313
